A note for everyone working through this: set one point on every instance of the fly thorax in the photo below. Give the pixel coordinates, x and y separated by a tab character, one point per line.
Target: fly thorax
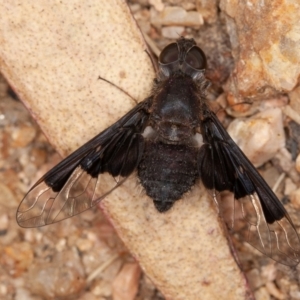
175	111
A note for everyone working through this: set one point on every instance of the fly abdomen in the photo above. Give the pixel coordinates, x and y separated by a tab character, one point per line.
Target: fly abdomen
167	171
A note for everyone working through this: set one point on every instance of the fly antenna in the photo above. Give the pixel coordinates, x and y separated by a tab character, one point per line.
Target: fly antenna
154	49
120	89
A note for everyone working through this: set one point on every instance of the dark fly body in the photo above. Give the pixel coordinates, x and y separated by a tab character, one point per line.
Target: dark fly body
173	140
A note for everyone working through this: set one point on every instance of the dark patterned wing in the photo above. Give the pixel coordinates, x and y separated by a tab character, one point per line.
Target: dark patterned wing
75	184
223	166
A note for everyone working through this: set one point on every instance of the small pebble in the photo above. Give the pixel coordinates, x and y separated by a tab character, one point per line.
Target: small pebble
262	294
125	285
176	16
274	291
208	9
157	4
260	137
19	256
172	32
289	186
298	163
101	288
62	278
295	199
254	279
269	272
23	135
3	223
84	244
7	198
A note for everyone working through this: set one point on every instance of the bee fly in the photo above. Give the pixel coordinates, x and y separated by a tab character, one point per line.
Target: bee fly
160	138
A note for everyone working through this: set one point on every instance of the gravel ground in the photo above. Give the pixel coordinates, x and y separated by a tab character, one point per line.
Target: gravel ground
82	257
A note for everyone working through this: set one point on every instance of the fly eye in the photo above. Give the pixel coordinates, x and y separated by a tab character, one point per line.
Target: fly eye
169	54
196	58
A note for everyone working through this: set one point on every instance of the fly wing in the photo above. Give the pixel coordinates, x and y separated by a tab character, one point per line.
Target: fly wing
223	166
76	184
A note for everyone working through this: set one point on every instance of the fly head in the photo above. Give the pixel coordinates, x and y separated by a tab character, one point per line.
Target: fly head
178	97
